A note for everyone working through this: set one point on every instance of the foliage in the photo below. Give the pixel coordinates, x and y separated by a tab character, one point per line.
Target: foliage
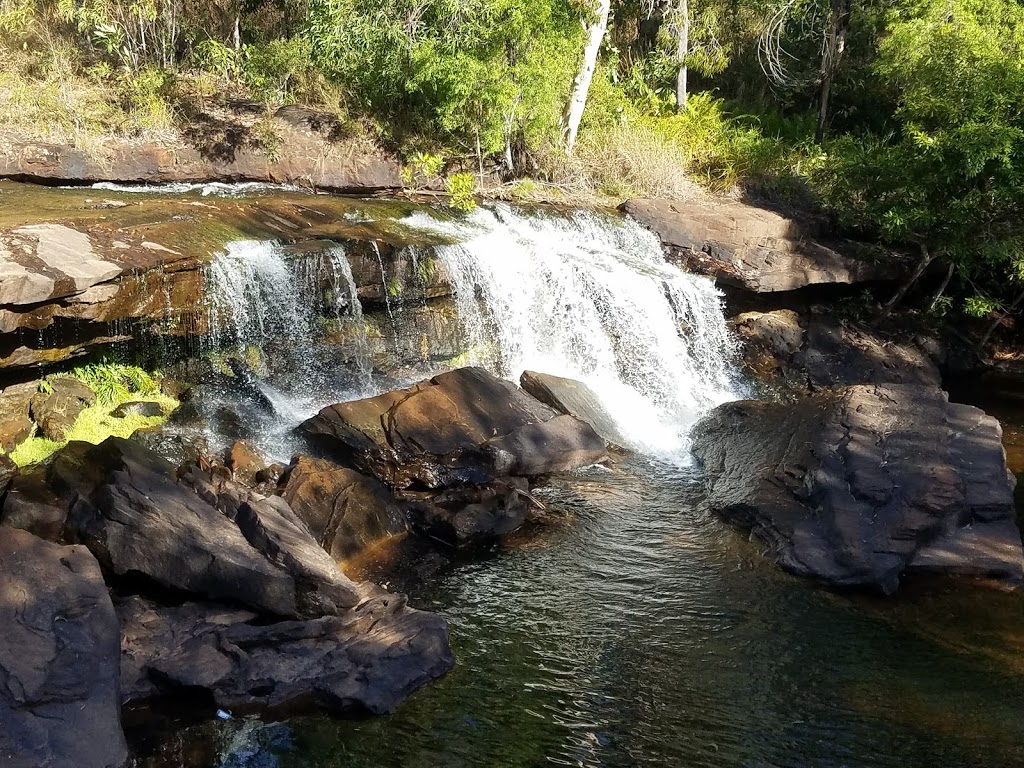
461	187
114	384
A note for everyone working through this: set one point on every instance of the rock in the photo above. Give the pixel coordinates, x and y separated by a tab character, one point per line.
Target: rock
752	248
312	153
365	661
814	352
59	652
344	510
853	486
244	462
465	517
139	520
145	409
57	411
274	530
31	506
271	476
560	444
69	253
15	422
434	434
573	398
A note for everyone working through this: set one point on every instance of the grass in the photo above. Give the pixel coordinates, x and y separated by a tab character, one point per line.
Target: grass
114	384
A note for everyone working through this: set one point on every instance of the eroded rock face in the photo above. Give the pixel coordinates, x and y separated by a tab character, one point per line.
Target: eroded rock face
57	410
815	353
59	658
365	661
852	486
749	247
464	427
346	511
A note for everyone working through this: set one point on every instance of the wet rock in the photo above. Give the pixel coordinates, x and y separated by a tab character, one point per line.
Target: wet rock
345	510
271	476
853	486
15	422
573	398
753	248
365	661
465	517
436	433
244	462
59	652
57	410
139	520
142	408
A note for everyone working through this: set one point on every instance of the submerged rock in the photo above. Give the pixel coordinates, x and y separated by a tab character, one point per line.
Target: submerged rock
345	510
856	485
461	427
59	652
364	661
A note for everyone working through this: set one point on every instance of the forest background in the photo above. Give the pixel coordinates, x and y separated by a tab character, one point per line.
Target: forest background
901	121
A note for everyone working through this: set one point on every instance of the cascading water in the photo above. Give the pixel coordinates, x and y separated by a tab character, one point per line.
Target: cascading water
591	297
265	307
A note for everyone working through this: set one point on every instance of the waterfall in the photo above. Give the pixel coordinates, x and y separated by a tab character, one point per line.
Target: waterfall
266	306
590	297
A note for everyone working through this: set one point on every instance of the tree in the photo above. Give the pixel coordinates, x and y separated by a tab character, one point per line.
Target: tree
951	182
577	103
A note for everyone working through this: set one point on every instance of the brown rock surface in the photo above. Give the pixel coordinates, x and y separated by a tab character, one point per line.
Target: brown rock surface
345	511
59	658
749	247
855	485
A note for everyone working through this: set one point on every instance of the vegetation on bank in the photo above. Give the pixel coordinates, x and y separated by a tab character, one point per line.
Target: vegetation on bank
899	119
113	384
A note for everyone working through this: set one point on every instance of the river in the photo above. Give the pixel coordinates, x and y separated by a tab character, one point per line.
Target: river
635	629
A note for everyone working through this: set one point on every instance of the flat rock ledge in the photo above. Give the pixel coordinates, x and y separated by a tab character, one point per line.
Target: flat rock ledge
856	486
752	248
312	151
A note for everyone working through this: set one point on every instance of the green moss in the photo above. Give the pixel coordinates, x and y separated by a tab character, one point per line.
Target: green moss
114	384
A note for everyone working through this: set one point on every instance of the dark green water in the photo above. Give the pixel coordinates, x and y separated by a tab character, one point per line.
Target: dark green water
641	632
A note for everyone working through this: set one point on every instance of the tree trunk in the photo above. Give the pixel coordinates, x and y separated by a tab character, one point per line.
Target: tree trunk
997	322
943	287
682	50
922	265
581	85
831	57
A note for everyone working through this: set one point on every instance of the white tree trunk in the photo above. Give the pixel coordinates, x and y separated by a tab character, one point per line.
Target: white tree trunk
682	49
581	85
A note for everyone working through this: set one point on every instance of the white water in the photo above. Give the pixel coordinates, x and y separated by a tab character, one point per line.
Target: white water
591	297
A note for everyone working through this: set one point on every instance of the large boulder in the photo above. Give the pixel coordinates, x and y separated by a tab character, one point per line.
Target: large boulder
365	661
346	511
140	520
753	248
573	398
59	658
856	485
464	427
